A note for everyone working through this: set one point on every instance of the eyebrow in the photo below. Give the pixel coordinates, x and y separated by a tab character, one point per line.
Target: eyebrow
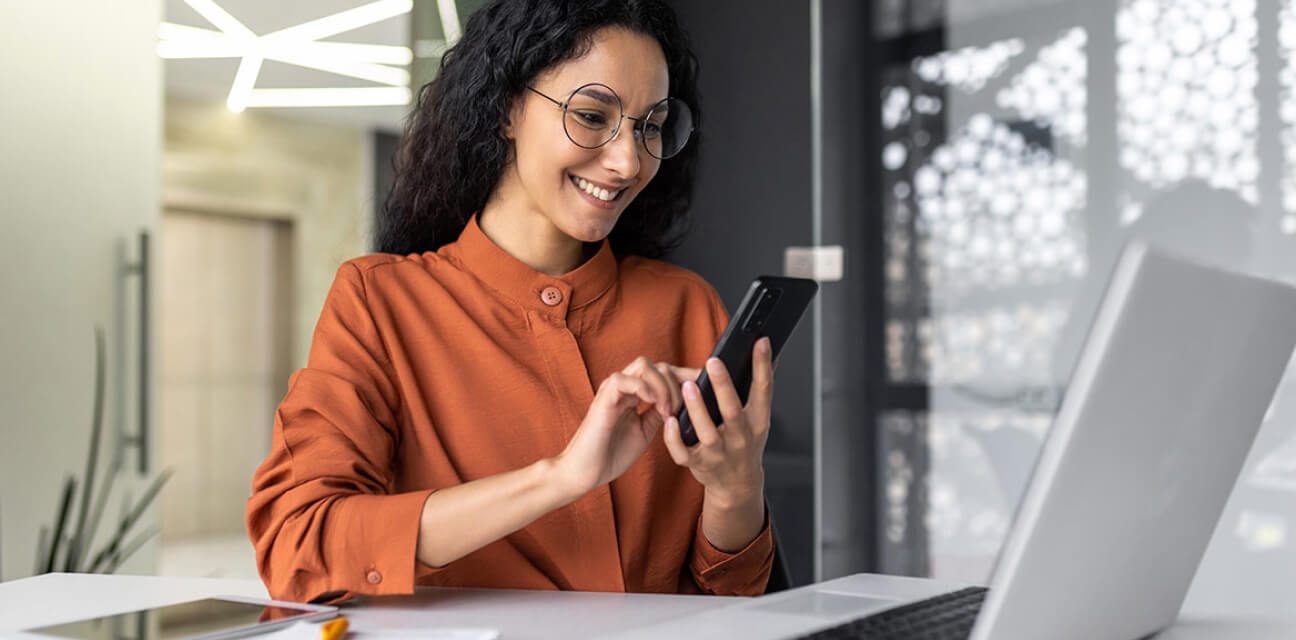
605	98
608	98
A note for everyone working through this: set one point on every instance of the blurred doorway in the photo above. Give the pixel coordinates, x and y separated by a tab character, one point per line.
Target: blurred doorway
225	309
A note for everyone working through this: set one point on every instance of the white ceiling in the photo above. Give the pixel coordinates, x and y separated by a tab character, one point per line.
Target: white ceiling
211	78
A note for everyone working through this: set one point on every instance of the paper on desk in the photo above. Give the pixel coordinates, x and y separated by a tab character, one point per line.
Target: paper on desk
311	631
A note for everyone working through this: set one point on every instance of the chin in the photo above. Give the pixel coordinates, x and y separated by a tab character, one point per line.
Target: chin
593	232
591	228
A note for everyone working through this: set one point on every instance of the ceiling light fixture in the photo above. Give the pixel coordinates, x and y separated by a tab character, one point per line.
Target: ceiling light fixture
299	45
355	97
449	20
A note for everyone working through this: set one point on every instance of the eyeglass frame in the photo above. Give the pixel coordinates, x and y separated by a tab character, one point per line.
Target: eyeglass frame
637	129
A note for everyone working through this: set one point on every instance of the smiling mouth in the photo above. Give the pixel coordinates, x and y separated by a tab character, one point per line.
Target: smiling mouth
596	191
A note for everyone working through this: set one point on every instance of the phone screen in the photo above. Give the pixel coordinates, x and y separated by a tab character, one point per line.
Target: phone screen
183	620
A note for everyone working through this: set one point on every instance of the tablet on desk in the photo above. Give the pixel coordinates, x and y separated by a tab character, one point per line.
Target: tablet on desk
206	619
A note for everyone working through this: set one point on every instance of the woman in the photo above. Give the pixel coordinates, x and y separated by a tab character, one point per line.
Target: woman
489	401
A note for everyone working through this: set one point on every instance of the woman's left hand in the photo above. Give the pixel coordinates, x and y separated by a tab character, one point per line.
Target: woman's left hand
727	461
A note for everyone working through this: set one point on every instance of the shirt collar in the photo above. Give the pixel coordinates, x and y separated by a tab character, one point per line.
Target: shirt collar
498	269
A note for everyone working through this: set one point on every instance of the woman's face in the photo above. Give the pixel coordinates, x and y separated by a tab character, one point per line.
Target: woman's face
550	174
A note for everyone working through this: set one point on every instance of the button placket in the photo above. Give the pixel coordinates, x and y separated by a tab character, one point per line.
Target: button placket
593	514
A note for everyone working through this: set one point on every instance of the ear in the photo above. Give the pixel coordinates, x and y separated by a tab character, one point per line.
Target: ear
514	115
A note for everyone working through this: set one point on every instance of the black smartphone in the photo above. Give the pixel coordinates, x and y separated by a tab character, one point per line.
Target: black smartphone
772	307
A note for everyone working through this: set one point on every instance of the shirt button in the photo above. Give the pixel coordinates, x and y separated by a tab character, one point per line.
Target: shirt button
551	296
373	577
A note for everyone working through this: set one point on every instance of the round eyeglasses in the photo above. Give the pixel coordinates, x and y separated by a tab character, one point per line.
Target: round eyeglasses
592	117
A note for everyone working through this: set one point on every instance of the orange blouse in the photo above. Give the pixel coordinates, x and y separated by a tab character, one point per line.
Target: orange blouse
431	370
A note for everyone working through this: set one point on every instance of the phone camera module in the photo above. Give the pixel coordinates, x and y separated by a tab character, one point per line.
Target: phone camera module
761	310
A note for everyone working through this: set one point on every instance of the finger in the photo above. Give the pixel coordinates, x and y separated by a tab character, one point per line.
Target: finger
707	433
762	388
634	369
643	368
686	373
726	395
679	452
623	388
660	386
649	425
673	385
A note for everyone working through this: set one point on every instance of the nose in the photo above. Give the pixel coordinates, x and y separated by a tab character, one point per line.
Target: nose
621	153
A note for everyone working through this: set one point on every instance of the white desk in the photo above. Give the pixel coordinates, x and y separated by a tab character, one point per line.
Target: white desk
31	603
44	600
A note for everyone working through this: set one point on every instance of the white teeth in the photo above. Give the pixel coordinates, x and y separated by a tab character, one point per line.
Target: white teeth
597	192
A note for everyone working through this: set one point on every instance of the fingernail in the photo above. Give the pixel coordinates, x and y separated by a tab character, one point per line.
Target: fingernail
690	389
714	365
764	344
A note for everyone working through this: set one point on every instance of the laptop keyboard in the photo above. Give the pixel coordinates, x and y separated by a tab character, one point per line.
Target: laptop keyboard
949	616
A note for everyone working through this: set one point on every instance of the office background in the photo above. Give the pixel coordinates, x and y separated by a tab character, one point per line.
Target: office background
980	162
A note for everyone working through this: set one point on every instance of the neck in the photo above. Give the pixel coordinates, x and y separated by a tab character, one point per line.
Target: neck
531	238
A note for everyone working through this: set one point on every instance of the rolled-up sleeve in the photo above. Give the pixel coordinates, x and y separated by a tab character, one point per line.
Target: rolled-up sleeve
323	517
745	572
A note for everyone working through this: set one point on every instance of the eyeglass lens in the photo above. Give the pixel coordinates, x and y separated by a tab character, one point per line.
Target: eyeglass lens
593	115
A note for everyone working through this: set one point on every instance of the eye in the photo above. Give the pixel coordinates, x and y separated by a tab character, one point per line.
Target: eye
591	119
652	130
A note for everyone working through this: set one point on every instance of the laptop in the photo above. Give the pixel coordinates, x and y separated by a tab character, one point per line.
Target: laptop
1180	367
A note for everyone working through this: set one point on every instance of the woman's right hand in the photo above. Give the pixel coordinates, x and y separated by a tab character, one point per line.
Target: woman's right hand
628	411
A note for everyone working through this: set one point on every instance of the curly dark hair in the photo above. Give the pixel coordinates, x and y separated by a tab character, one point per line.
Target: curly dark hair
453	152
